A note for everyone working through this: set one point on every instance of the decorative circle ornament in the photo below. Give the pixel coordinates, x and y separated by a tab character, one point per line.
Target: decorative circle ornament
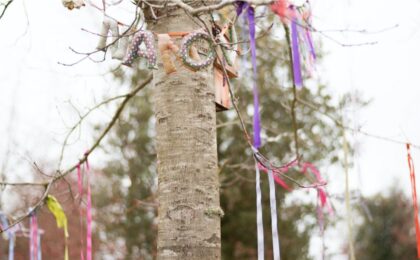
192	56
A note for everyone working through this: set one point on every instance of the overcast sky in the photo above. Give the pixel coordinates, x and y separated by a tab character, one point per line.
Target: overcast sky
385	73
35	89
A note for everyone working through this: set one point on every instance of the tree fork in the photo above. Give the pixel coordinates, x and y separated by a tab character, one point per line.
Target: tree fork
188	193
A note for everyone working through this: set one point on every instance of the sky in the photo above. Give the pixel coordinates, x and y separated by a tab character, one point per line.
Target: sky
40	98
384	73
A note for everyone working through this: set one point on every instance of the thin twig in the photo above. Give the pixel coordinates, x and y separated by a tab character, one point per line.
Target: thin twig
294	101
83	159
341	125
5	8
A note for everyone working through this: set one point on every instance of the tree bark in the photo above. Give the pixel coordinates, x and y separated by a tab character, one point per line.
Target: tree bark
189	209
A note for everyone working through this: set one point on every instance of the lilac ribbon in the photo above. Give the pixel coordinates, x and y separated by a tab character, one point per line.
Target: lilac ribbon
310	43
297	74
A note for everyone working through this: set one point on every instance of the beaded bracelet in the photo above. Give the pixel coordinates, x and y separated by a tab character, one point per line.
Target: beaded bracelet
187	45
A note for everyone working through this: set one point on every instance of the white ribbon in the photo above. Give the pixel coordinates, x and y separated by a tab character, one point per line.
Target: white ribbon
260	228
273	207
10	235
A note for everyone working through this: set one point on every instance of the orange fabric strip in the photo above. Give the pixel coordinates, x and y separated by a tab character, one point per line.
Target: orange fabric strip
181	34
414	195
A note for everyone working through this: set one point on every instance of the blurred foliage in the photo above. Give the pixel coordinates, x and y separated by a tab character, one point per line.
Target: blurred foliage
391	232
129	184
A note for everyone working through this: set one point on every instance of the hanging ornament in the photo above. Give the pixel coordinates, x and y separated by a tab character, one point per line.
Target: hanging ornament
119	53
192	56
107	26
118	44
134	50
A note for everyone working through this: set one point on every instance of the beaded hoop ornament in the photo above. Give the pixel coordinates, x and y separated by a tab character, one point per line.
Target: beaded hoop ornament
186	46
134	50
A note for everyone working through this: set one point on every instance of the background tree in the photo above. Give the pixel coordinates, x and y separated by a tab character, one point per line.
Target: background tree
390	234
131	149
128	185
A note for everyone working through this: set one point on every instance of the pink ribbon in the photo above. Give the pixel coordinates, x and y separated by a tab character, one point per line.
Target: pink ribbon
80	187
88	210
33	239
278	171
79	181
277	179
321	191
280	7
88	215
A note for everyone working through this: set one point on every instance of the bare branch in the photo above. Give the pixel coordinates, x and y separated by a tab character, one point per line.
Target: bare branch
5	8
79	122
220	5
82	160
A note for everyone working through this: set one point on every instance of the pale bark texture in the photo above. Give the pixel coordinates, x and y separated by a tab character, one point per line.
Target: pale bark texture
189	209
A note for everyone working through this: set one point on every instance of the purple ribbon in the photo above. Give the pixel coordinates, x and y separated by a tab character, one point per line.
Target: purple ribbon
297	74
240	6
256	119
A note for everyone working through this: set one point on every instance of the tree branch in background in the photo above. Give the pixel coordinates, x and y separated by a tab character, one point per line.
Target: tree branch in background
62	174
5	6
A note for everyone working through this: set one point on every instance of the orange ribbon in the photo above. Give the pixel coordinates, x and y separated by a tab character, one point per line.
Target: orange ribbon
414	194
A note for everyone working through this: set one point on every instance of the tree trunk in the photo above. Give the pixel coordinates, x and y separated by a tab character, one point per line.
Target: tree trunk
189	209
